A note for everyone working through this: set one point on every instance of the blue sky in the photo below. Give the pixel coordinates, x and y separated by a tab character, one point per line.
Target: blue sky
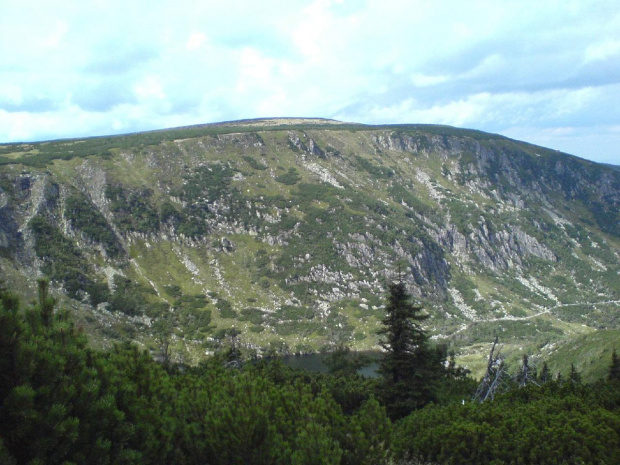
547	72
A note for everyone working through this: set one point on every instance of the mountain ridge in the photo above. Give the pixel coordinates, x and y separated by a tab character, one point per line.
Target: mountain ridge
276	123
287	233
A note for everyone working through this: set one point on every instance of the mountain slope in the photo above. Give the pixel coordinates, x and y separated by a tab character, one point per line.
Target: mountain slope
287	230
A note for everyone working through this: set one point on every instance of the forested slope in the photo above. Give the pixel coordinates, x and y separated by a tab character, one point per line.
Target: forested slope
61	402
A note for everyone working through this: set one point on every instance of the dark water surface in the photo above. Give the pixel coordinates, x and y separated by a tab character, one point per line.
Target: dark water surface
314	362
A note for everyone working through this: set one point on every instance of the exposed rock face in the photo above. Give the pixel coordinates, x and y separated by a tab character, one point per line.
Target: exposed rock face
317	218
10	237
94	180
497	251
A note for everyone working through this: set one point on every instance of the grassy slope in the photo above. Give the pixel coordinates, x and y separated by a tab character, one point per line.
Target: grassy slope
155	160
591	353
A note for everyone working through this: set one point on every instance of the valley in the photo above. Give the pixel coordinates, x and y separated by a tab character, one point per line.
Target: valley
280	236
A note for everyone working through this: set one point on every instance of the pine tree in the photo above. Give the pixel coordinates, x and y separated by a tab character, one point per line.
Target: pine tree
340	361
545	374
52	405
524	376
410	368
614	368
368	436
574	376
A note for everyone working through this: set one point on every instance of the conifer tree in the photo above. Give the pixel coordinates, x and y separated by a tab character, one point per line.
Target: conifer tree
545	374
340	361
453	370
524	375
52	406
614	368
575	376
410	368
11	329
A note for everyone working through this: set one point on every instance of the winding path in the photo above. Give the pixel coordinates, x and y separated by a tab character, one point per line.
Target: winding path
464	326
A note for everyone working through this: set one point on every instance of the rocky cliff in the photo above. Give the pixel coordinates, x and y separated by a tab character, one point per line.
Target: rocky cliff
282	234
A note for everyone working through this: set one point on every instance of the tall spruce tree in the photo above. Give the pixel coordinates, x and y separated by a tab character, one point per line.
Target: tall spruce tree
614	368
545	374
575	375
410	369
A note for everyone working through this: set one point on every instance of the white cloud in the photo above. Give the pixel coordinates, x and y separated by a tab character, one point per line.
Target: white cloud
195	41
150	88
11	93
425	80
54	38
602	50
254	69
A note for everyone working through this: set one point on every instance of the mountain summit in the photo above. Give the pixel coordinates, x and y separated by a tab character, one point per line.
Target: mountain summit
282	234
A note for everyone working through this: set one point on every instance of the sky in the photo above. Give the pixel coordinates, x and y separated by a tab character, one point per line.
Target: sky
543	71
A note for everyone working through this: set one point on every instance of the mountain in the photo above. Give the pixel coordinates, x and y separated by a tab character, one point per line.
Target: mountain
280	234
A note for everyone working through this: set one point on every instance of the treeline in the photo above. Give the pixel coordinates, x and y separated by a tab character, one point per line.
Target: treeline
64	403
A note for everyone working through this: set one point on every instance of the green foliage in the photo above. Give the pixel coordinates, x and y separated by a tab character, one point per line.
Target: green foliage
410	368
129	297
332	151
290	178
574	376
54	407
248	419
348	233
308	193
255	164
371	436
64	263
146	394
191	225
168	213
191	301
535	329
402	194
202	189
194	320
132	209
292	312
533	425
545	374
83	216
608	219
291	319
61	402
173	290
40	154
614	367
341	360
225	308
371	168
349	389
253	315
207	183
